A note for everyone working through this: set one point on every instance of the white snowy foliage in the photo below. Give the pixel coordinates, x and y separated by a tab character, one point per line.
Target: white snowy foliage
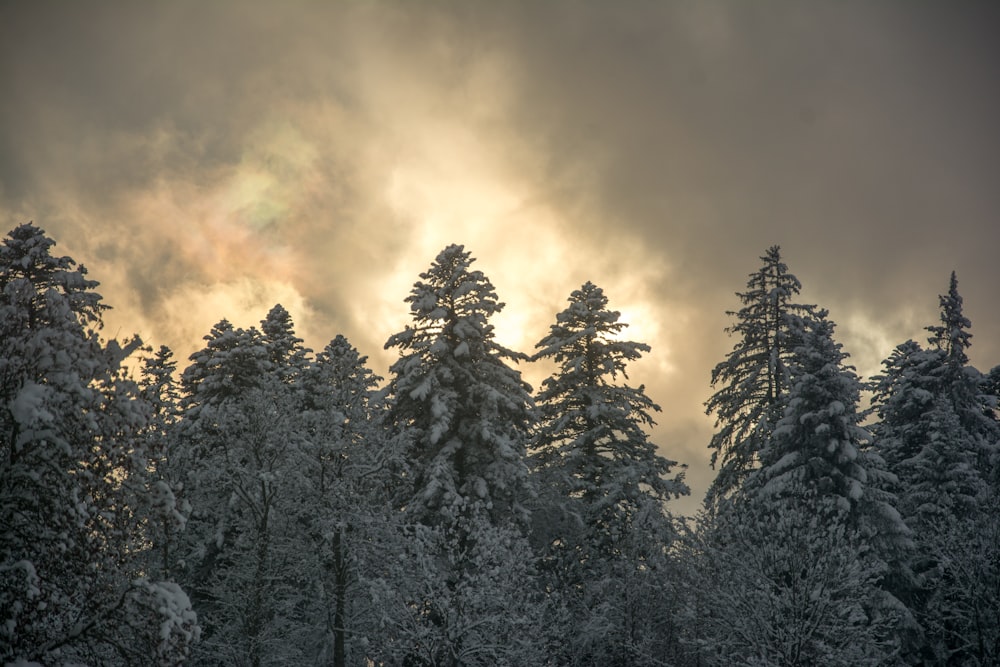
597	467
752	383
464	409
790	587
73	473
454	596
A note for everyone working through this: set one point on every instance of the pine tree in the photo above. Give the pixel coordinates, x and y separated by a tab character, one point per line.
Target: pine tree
72	585
464	409
463	416
752	383
241	436
592	454
937	433
341	495
819	452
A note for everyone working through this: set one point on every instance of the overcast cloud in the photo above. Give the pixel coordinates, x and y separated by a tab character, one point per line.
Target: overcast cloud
207	160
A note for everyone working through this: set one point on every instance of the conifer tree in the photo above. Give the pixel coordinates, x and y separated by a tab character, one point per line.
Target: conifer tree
464	409
936	429
816	539
819	452
752	383
937	432
341	498
72	583
922	440
241	434
964	385
462	414
286	352
167	509
591	452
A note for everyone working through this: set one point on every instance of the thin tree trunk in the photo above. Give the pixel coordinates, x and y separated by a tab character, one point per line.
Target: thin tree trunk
340	592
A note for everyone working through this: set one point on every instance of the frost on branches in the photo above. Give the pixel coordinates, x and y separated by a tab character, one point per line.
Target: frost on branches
465	411
462	414
602	524
752	382
939	434
72	586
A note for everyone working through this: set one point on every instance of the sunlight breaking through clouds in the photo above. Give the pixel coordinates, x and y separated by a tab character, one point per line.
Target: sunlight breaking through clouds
206	162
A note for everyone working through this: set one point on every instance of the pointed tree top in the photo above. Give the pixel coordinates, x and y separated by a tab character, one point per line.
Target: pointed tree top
952	336
591	295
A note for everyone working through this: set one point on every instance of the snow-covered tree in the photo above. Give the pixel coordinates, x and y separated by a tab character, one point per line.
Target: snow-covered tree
166	509
463	416
920	436
285	350
604	525
815	543
819	450
785	585
591	440
464	409
72	585
752	383
232	362
960	604
241	433
459	596
340	487
937	432
964	385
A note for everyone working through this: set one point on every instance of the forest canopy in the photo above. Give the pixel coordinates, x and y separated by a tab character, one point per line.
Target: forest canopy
264	503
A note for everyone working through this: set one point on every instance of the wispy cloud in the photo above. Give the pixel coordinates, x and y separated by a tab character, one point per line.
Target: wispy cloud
209	160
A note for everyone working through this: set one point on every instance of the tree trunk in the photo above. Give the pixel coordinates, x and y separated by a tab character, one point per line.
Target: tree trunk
340	592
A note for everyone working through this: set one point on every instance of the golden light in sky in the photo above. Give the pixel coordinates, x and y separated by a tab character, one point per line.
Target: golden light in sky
210	161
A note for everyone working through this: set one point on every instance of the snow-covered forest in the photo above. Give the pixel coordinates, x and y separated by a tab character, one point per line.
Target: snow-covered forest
261	503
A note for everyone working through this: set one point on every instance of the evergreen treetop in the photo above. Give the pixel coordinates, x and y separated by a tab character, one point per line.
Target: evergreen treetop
464	411
753	381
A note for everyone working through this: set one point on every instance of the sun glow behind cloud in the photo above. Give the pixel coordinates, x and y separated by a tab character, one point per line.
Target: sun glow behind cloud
455	188
209	161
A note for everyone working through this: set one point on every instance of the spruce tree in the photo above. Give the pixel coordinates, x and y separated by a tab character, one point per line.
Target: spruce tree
816	541
752	383
465	411
462	414
599	468
921	438
73	586
937	432
964	385
819	452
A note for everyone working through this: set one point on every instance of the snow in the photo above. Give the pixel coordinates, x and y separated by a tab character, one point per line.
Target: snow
28	408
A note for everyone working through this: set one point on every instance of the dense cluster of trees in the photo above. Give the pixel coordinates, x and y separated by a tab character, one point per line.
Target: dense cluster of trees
272	505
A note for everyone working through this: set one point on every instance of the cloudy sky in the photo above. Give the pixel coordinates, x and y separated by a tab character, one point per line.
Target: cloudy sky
210	159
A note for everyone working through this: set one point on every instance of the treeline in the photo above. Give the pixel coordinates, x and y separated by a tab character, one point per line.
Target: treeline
271	505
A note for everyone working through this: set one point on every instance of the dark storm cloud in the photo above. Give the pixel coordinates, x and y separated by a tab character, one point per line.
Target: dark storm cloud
859	137
208	159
